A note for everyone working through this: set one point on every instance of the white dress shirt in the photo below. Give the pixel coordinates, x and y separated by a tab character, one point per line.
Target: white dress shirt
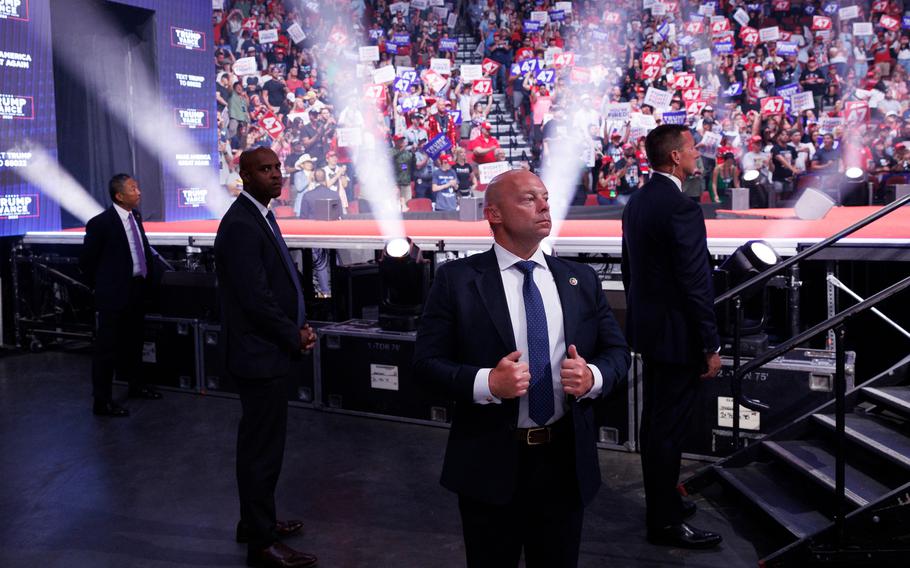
512	282
134	247
673	178
262	208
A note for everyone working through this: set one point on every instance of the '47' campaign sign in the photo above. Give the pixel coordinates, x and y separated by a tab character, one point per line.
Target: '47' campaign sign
482	87
271	124
490	67
772	105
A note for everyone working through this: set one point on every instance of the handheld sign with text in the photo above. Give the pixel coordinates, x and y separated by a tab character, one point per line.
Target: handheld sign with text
547	76
694	108
611	18
651	72
781	5
856	112
650	58
401	85
489	66
658	98
675	117
821	23
531	26
564	59
448	44
683	81
471	72
749	35
734	90
374	92
694	28
271	124
772	105
690	95
482	87
720	26
802	101
769	34
889	23
435	147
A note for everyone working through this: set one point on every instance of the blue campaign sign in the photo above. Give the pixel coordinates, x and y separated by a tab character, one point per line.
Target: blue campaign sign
734	90
437	146
769	76
410	103
723	47
677	64
831	8
376	34
531	26
599	35
531	65
410	75
676	117
448	44
455	115
809	9
546	76
402	39
905	22
557	15
787	48
402	85
391	47
515	70
788	91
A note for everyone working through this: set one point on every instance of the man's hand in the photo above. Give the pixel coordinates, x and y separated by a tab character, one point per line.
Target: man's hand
307	338
510	379
575	375
712	362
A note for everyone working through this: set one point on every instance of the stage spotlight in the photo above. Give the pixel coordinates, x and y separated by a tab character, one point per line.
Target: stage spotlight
746	261
853	190
404	278
759	193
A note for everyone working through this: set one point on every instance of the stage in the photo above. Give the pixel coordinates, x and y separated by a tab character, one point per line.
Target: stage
779	227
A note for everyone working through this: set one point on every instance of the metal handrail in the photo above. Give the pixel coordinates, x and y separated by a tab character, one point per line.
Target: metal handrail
779	267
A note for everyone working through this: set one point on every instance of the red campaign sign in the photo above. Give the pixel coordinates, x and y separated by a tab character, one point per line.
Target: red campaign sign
889	23
856	111
374	92
772	105
695	107
564	59
339	38
580	75
271	124
611	18
250	24
690	95
781	5
724	36
694	28
749	36
651	72
489	66
880	6
821	23
672	6
683	81
482	87
720	26
785	36
650	58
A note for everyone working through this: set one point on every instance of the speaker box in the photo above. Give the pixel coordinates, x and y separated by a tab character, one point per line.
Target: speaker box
739	198
813	204
355	291
470	209
326	209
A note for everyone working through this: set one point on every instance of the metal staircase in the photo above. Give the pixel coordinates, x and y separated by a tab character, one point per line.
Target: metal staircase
836	481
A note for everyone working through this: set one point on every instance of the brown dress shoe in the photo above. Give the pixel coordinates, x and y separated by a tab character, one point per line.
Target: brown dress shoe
280	555
281	530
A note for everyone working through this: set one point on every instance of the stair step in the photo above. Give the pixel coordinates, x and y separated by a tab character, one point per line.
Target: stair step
781	497
812	458
896	398
873	434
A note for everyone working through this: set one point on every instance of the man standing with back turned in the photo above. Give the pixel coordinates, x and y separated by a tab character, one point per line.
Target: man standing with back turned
264	323
670	322
525	344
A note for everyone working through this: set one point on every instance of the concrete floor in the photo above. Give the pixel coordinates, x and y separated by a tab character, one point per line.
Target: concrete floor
158	489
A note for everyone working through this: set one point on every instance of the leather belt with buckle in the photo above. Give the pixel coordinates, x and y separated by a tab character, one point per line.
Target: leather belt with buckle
535	436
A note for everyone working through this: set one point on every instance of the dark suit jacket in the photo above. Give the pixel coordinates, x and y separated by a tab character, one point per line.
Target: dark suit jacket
258	298
466	327
667	275
106	261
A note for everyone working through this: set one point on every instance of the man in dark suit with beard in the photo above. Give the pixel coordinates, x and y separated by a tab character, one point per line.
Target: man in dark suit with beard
525	344
264	322
670	322
117	260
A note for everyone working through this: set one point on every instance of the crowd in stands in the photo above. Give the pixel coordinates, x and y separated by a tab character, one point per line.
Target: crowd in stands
797	90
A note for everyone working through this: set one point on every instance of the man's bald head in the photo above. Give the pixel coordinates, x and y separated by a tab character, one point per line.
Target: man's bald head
517	209
504	183
249	158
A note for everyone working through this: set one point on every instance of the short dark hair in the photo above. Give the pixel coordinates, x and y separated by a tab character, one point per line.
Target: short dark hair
663	140
115	186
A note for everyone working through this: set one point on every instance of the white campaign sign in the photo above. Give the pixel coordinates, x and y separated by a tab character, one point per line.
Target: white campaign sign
862	29
471	72
486	172
658	99
296	33
701	56
349	137
769	34
802	101
384	74
540	16
245	66
268	36
848	13
369	53
441	66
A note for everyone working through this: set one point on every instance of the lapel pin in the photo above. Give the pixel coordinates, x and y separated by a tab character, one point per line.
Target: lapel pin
573	281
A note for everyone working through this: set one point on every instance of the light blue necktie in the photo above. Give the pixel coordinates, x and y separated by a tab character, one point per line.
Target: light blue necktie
540	393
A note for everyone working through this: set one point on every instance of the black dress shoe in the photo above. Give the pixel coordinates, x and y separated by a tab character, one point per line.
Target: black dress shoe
147	393
684	536
281	529
280	555
688	509
109	409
